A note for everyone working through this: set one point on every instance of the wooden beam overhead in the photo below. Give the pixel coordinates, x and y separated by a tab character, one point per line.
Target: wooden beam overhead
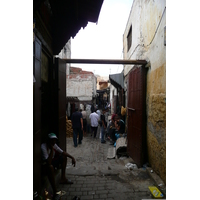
106	61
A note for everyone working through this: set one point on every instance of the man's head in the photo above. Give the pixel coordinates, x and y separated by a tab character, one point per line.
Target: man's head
52	138
117	118
120	126
113	118
104	110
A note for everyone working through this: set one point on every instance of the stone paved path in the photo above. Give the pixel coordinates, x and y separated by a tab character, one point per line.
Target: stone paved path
96	177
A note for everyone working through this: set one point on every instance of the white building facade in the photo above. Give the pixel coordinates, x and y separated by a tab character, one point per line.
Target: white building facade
145	39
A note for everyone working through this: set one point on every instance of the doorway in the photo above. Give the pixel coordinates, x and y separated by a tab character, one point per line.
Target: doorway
136	134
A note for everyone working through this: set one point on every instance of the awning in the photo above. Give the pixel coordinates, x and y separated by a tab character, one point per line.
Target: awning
67	18
70	17
117	80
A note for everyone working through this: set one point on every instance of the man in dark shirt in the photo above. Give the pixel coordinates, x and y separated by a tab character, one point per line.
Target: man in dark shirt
111	129
120	126
77	125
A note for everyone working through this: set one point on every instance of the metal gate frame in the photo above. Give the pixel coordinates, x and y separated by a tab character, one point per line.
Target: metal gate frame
137	127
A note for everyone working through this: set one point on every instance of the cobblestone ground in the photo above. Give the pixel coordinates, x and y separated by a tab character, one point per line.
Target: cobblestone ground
96	177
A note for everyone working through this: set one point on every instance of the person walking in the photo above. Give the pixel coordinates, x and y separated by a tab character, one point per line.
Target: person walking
98	128
103	125
84	114
94	119
77	126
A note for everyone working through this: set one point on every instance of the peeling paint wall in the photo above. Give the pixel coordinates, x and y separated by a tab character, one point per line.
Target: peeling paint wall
148	21
83	87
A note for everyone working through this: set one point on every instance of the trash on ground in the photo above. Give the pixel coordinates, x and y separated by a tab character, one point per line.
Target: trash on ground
61	193
121	147
155	192
131	166
111	153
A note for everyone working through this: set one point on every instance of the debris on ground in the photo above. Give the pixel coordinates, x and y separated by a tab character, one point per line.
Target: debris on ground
111	153
155	192
121	147
131	166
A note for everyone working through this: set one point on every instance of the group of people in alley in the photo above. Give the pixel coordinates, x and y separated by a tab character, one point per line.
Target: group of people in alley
54	157
99	125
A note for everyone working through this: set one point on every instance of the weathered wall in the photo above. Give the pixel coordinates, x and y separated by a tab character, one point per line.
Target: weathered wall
66	53
148	20
80	87
113	94
94	88
101	79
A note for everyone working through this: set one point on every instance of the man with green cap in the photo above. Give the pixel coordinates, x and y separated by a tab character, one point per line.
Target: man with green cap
54	157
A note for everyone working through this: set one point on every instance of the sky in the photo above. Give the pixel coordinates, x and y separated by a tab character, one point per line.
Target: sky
104	39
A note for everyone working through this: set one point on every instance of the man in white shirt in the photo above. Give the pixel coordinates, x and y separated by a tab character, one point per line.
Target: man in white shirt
84	114
98	128
98	112
53	156
94	120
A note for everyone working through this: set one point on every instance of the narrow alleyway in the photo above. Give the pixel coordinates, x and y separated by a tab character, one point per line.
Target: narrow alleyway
96	177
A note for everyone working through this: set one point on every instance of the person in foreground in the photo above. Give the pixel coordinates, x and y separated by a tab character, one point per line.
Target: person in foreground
53	157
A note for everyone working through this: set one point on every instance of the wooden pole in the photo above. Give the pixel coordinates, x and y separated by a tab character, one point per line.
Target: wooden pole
105	61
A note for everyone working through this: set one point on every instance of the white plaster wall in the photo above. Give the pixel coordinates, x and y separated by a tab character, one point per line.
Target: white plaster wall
148	19
147	33
112	88
111	91
94	86
80	88
66	53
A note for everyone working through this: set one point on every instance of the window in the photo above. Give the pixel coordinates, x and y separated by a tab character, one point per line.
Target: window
129	38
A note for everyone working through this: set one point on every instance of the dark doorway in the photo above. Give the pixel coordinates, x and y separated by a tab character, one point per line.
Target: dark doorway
137	115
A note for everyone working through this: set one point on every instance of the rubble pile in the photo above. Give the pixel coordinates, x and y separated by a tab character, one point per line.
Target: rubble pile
69	130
